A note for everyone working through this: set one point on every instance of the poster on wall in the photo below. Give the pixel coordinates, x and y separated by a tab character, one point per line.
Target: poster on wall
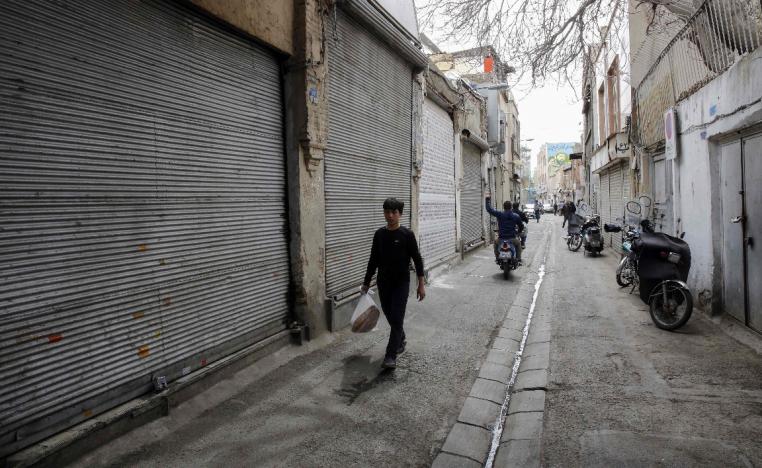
558	156
670	134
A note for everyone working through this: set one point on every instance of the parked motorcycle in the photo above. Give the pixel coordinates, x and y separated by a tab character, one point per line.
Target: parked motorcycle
592	238
574	237
658	264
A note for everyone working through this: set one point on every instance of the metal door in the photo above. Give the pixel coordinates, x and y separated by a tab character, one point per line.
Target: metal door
752	241
143	204
471	200
605	205
616	184
662	194
731	179
369	152
437	184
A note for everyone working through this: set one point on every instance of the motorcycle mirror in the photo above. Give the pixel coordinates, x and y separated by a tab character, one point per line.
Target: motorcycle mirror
682	235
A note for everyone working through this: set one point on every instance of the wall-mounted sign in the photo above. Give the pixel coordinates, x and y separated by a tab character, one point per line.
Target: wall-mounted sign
670	133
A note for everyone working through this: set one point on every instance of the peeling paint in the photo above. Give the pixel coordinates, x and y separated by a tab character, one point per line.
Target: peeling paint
55	338
167	301
142	247
138	315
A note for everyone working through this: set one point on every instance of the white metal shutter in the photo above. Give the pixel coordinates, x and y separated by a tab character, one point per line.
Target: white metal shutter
605	204
142	195
471	199
368	157
617	204
437	185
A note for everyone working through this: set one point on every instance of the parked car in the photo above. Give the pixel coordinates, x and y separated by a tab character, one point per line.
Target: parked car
547	207
529	210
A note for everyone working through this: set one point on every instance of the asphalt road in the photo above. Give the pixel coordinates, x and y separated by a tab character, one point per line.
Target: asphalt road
329	404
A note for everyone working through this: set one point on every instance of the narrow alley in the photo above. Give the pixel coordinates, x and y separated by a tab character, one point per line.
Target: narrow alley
620	392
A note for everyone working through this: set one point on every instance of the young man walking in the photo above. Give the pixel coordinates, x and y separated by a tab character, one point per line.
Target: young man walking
393	248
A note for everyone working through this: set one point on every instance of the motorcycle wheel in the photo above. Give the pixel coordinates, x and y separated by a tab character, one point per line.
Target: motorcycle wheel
622	279
674	311
575	242
506	271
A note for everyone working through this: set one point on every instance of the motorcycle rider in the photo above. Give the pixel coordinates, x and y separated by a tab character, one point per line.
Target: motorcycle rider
508	223
525	220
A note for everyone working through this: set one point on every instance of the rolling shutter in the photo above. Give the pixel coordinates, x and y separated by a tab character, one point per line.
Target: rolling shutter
616	186
437	186
471	201
142	182
369	152
605	205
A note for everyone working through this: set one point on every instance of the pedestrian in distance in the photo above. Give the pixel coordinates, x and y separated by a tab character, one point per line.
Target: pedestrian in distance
537	210
509	224
555	208
392	249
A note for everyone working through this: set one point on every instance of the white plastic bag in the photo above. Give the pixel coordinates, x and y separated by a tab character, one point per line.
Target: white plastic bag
365	316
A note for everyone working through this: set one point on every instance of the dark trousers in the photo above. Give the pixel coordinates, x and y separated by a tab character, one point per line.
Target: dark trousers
393	302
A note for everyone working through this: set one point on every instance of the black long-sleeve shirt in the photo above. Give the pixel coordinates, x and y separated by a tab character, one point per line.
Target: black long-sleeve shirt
391	254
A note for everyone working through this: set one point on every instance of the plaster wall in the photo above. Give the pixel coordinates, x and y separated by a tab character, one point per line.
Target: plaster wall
271	22
730	103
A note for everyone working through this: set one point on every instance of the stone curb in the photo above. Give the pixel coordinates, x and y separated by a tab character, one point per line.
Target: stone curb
470	437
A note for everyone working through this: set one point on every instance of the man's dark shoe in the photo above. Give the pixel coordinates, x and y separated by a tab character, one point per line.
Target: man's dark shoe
389	363
401	349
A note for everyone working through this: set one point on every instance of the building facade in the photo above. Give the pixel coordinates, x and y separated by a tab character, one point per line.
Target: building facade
698	132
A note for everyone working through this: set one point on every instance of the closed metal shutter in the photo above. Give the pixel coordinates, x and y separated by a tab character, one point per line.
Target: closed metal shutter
437	186
617	205
471	199
142	198
368	157
605	205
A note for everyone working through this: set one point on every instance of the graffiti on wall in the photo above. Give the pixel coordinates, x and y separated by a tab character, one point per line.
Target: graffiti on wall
558	156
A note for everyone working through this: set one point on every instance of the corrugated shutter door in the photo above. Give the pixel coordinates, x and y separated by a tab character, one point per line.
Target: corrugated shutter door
143	203
617	204
368	157
605	204
471	200
437	186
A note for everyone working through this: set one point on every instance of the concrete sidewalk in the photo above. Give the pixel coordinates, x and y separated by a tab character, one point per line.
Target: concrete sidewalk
329	403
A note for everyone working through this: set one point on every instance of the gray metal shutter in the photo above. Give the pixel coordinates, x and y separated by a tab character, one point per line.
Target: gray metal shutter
617	204
368	157
605	204
471	200
143	204
437	185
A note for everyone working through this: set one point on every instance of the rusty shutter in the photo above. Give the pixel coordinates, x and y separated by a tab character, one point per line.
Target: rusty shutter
142	202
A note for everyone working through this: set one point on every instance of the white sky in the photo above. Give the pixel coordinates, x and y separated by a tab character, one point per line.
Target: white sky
551	114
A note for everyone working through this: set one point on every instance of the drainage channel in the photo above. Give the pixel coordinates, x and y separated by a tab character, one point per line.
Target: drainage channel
497	431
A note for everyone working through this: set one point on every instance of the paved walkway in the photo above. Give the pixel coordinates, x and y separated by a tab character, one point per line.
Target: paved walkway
595	384
329	403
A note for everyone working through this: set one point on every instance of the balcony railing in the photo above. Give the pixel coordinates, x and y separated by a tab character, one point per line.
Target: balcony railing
712	39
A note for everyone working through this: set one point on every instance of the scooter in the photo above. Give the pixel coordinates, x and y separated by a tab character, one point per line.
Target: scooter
658	264
591	236
506	257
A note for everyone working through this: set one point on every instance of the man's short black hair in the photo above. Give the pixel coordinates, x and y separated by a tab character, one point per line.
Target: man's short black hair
507	205
515	205
394	204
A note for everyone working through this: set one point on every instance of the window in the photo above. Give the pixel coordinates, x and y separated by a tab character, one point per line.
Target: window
601	114
612	83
